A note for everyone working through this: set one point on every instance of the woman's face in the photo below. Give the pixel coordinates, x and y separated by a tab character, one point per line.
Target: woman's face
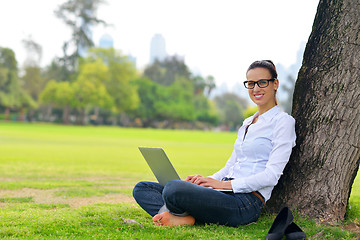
264	98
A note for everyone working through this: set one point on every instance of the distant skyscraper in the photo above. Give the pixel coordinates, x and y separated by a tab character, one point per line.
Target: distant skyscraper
157	48
106	41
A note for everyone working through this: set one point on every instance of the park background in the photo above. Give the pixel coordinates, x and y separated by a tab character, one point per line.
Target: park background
207	56
75	181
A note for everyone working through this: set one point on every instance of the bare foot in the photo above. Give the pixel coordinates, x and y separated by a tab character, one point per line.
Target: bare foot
168	219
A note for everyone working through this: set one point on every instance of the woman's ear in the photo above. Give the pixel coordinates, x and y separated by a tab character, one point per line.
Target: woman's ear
276	84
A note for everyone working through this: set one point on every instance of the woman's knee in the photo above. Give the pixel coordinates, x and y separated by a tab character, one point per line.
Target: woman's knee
138	187
175	188
145	186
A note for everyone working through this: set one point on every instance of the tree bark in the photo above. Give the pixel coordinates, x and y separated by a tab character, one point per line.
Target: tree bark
318	178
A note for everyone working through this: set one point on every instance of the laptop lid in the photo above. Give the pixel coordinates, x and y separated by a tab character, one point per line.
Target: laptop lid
159	164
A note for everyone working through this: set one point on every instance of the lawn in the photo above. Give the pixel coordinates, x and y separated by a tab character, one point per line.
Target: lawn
72	182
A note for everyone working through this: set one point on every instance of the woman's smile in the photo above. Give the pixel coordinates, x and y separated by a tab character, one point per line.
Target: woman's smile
258	96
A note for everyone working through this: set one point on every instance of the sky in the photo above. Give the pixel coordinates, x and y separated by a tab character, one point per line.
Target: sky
216	37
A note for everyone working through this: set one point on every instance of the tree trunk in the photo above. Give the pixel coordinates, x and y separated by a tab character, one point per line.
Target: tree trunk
7	113
318	178
81	118
22	115
48	112
66	113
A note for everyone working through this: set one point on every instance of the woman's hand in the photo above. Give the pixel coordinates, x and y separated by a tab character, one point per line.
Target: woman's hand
192	178
208	182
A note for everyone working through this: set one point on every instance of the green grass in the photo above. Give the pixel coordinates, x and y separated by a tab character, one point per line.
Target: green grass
71	163
16	199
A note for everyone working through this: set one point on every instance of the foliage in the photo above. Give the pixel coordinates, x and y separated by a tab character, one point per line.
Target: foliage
11	93
199	84
121	73
230	107
209	85
288	88
205	110
103	82
33	82
178	96
167	71
174	102
80	16
147	91
249	111
89	87
57	71
87	91
59	94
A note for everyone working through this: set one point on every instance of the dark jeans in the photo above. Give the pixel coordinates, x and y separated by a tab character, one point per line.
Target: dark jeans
204	204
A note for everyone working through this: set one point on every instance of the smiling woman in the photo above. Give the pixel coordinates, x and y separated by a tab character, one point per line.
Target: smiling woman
262	84
261	151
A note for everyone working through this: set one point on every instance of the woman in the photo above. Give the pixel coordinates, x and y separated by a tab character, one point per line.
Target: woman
261	151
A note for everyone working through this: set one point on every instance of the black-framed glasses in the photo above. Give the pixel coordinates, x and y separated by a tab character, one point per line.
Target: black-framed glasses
262	83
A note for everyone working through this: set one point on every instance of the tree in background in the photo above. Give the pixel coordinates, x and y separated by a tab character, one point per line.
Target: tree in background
86	92
55	71
318	178
249	111
90	90
32	81
199	84
147	91
177	101
11	93
288	88
80	16
58	94
167	71
230	107
103	85
209	85
205	110
9	84
177	94
121	73
159	103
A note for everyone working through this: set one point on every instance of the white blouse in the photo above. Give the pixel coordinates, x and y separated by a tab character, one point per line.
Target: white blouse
260	156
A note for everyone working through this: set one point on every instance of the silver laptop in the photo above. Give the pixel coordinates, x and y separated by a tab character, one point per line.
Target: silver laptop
161	166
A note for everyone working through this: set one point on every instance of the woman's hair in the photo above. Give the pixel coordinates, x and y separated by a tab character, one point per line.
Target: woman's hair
268	64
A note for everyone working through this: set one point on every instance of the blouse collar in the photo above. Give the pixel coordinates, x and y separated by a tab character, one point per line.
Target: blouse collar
268	115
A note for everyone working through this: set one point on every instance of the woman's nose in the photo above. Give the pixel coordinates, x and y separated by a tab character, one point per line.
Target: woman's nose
256	87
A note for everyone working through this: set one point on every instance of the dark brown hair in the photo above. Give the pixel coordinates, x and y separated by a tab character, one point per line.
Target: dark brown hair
268	64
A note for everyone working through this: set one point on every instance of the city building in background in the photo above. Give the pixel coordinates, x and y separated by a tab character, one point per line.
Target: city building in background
157	48
106	41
